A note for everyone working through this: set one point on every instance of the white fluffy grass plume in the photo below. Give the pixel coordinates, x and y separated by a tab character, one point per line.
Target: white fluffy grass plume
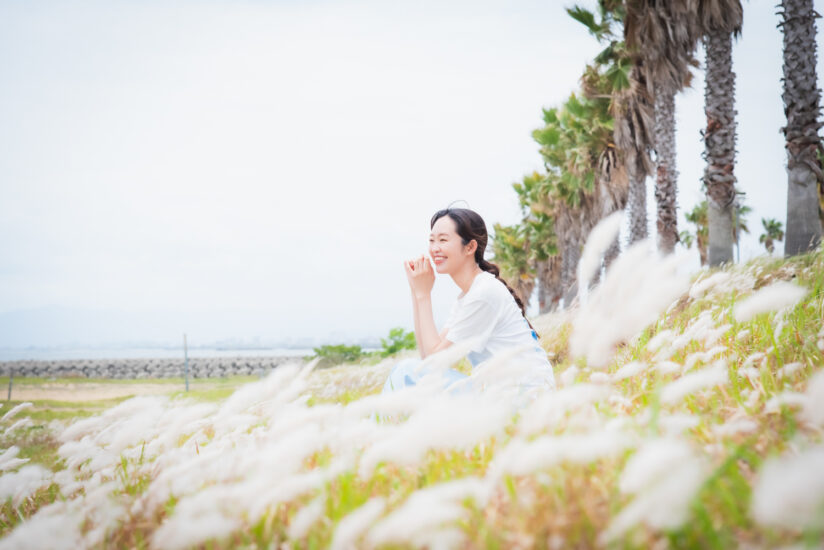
695	381
664	475
426	510
19	485
54	527
9	460
471	419
352	527
10	413
776	296
599	240
789	492
814	405
638	287
521	457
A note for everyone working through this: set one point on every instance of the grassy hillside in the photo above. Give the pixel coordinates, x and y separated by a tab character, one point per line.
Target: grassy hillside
687	415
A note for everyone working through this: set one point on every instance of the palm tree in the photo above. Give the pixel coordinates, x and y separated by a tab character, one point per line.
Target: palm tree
541	239
773	231
801	98
549	277
666	183
720	20
613	189
631	107
698	217
510	248
663	35
686	238
575	143
739	224
633	136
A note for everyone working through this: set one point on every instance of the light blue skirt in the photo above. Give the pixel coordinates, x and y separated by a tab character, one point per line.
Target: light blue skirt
408	372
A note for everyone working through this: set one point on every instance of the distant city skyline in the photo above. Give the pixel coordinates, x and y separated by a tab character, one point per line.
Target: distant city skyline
262	169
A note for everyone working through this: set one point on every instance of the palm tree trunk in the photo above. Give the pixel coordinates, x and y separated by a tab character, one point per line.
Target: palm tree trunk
666	185
702	251
542	290
569	265
637	204
719	144
553	284
612	252
801	104
720	221
524	289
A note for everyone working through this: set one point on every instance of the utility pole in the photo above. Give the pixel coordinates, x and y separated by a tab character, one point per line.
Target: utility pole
186	360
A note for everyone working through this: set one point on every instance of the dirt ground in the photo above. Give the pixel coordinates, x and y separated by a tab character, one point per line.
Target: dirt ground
88	391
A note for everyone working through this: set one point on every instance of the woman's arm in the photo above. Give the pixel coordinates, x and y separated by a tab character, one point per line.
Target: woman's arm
429	340
421	280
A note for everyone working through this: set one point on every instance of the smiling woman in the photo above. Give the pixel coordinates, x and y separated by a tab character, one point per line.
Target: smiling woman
488	315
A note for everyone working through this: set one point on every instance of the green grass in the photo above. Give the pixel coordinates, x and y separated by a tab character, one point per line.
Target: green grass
206	394
40	381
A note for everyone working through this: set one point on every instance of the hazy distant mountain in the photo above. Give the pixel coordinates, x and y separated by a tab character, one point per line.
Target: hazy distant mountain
66	327
61	326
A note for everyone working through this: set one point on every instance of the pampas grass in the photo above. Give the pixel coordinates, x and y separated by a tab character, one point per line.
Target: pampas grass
637	288
600	239
14	410
522	457
672	426
813	404
770	298
352	527
56	527
693	382
471	419
8	460
428	510
789	492
24	482
664	476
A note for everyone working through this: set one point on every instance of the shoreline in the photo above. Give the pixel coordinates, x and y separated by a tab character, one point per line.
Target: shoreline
139	352
139	368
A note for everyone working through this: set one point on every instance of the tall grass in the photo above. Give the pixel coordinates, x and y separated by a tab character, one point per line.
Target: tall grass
696	423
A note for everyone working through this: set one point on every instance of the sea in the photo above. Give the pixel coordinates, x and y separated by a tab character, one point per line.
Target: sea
57	354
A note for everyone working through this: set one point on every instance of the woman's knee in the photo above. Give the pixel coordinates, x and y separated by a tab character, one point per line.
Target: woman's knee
403	374
405	366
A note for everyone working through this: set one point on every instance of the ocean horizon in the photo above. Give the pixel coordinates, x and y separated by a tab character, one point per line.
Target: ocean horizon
157	352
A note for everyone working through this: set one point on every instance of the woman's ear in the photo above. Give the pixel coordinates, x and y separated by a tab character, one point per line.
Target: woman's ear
471	247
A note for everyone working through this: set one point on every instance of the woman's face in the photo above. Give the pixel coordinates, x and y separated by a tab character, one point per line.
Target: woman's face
445	247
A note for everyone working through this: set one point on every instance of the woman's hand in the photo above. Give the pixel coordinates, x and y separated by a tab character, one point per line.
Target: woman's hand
420	275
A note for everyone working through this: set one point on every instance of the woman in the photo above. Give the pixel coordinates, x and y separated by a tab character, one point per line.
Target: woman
488	314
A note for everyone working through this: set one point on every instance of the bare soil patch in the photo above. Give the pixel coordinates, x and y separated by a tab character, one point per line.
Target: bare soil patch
91	391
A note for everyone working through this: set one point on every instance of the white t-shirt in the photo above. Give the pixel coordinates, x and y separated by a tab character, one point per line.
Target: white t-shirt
487	312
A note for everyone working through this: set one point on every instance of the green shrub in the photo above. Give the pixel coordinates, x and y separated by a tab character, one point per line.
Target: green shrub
335	355
398	340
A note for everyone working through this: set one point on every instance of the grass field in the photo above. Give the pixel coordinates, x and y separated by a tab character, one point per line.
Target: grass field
96	389
685	416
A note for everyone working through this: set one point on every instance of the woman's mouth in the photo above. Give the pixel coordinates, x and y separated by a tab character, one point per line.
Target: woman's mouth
438	260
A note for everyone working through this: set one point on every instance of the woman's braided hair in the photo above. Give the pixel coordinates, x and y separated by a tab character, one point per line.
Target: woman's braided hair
470	226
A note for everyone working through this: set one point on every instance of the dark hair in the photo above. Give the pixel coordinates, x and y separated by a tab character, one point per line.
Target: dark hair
470	226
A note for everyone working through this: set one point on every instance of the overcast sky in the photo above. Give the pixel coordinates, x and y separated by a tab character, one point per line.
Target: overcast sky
273	163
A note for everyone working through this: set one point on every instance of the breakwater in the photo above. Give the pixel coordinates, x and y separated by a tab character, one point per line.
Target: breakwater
199	367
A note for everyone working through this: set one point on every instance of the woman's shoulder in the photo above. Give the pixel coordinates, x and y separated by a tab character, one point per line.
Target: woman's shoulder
488	288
